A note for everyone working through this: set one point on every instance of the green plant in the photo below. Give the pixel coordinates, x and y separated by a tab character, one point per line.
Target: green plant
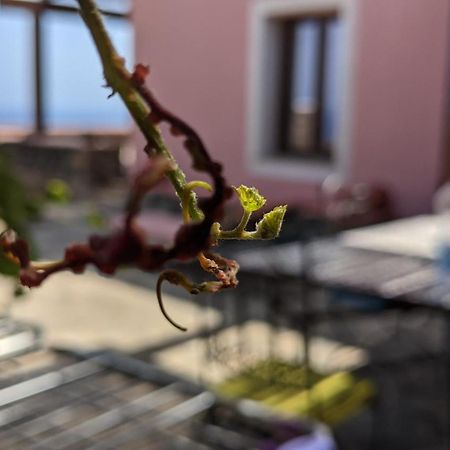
201	230
16	209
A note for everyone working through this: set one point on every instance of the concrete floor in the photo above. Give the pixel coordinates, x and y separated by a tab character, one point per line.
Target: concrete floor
90	311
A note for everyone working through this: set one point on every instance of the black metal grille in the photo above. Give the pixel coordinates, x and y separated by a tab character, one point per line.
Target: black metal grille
91	404
112	401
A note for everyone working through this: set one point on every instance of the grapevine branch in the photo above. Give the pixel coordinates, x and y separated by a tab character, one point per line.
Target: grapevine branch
128	245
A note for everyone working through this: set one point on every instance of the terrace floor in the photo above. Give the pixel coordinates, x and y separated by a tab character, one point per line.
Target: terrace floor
122	313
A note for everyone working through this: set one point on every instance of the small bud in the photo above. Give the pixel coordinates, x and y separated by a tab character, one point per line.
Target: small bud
140	74
30	278
174	131
154	118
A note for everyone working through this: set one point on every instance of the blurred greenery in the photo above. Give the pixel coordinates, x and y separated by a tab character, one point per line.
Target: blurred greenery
95	219
58	191
16	209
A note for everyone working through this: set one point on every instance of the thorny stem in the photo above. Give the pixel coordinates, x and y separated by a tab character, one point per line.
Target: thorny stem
128	245
118	79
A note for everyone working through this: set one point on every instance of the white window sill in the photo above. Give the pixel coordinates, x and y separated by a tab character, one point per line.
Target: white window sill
293	169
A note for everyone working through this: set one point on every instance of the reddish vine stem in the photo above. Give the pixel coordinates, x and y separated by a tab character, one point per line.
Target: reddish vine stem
128	245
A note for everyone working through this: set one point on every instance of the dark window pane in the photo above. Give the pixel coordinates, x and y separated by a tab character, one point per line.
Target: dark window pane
17	68
73	76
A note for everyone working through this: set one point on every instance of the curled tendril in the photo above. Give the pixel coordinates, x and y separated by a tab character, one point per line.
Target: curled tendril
223	269
178	279
186	196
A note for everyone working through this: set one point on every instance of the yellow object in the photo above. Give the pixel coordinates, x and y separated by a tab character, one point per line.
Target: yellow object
283	387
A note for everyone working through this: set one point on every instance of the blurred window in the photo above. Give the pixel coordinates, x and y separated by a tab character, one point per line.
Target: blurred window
300	97
310	63
73	97
16	80
52	68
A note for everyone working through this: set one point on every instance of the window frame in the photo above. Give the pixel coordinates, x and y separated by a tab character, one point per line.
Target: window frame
266	39
38	8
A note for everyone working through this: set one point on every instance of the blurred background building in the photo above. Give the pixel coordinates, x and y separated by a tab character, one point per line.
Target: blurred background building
289	92
285	92
51	95
338	108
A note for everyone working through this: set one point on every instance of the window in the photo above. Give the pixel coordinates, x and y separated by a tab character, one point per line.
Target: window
46	48
299	87
309	108
72	97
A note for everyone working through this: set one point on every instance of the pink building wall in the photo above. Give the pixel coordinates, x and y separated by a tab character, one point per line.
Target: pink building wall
401	89
198	50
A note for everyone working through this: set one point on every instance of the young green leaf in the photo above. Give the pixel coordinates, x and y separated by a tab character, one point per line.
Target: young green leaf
251	200
270	225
